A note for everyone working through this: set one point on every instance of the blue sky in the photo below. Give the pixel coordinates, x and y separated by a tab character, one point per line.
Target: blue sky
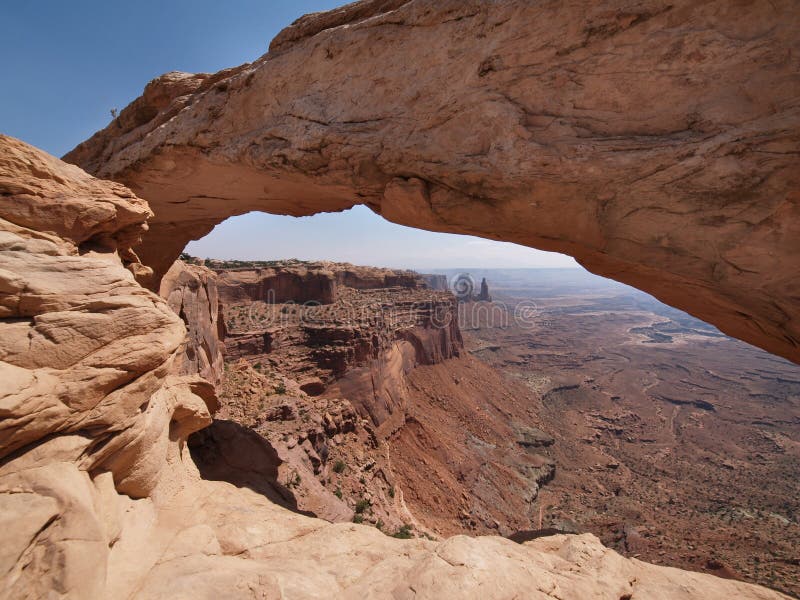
361	237
66	64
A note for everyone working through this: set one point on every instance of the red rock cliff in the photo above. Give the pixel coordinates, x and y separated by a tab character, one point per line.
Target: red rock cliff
375	325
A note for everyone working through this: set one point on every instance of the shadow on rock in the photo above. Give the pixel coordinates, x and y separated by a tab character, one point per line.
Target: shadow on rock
227	451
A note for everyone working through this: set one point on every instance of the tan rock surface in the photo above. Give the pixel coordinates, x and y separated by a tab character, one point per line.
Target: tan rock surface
86	391
656	142
191	292
100	498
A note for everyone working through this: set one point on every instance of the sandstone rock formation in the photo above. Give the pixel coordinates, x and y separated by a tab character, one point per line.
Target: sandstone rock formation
91	404
99	496
483	295
326	321
306	282
299	284
191	292
656	142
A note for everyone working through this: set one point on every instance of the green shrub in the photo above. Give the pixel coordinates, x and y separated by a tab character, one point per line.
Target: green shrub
358	518
339	466
280	388
294	481
338	493
391	492
404	533
362	505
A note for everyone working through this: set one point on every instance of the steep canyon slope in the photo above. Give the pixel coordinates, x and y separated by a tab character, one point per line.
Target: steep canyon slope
356	379
658	142
673	442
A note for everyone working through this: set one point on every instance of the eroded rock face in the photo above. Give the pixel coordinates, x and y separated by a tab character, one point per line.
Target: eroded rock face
370	402
298	284
99	497
657	143
90	402
357	339
306	282
191	292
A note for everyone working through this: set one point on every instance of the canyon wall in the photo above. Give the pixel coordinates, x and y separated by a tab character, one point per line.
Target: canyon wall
656	142
370	404
357	340
278	285
306	282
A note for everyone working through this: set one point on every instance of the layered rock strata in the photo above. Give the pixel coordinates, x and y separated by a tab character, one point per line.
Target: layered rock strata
337	392
364	333
94	410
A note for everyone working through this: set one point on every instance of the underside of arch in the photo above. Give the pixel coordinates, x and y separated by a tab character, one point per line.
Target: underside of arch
657	143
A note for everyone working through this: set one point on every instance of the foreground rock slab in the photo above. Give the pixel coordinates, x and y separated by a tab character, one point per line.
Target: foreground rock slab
657	143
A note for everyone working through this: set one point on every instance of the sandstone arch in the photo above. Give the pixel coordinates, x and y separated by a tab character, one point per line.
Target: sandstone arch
99	496
655	142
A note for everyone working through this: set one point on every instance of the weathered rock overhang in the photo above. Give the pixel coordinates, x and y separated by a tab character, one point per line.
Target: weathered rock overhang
657	143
